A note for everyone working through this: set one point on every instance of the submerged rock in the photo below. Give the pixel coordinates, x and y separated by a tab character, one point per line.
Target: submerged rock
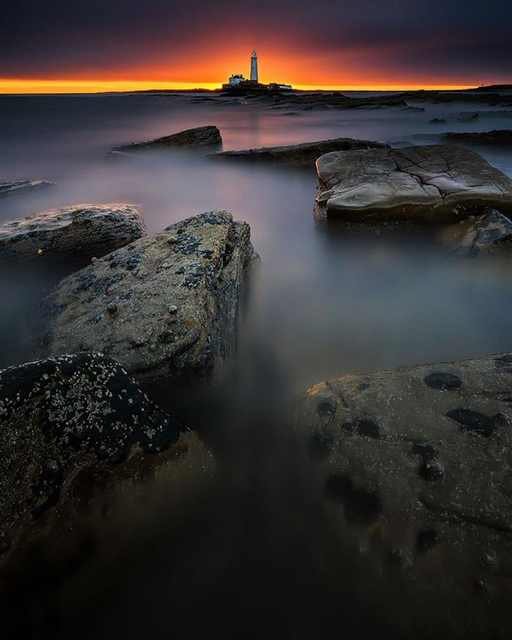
12	187
298	155
479	234
501	137
208	136
163	306
440	445
61	415
84	230
430	183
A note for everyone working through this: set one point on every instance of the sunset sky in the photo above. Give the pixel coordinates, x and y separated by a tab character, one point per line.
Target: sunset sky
88	45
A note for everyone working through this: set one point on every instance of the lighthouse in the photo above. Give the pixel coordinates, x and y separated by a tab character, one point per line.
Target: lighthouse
254	67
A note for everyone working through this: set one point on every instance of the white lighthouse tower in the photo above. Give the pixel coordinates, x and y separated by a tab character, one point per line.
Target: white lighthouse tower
254	67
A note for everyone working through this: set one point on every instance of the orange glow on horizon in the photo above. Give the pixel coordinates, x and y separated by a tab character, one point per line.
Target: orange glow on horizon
57	86
192	66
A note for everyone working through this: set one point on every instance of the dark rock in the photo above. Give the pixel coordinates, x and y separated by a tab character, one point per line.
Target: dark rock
85	230
504	362
432	470
443	381
425	450
363	427
498	137
297	155
64	414
482	234
324	100
426	540
360	506
473	421
199	137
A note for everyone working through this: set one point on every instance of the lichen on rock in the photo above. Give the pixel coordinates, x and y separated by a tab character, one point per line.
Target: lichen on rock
163	306
61	415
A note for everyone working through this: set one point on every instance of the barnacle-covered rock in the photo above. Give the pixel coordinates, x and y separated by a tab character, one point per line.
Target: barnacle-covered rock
163	306
61	415
82	230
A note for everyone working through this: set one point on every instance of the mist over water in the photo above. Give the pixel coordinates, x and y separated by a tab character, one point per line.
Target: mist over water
251	553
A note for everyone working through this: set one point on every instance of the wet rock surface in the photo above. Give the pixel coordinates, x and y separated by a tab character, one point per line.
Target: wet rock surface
425	509
449	424
208	136
429	183
60	416
297	155
85	230
164	306
13	187
501	137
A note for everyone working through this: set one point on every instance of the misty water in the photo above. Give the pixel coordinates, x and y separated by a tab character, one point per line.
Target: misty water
249	552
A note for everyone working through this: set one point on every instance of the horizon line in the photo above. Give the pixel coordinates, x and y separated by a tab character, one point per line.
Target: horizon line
27	87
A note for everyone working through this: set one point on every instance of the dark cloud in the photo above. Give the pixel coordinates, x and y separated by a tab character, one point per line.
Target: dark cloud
448	37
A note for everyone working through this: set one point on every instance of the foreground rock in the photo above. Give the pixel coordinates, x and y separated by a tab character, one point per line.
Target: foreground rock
416	471
481	234
425	440
501	137
298	155
163	306
430	183
84	230
208	136
61	415
13	187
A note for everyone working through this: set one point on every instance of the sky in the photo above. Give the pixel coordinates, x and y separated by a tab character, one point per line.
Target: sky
105	44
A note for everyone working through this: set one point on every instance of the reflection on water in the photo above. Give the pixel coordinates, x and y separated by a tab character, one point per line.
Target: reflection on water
251	552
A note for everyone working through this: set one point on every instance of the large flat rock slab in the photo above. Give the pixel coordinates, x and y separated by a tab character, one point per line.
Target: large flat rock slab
61	415
164	306
428	183
415	468
297	155
84	230
198	137
13	187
